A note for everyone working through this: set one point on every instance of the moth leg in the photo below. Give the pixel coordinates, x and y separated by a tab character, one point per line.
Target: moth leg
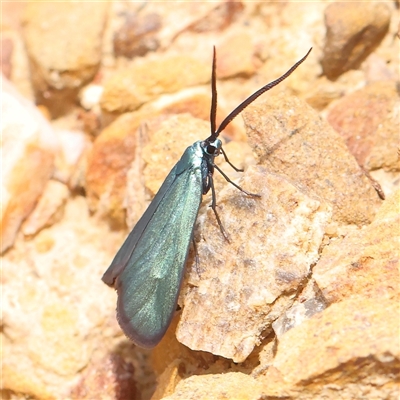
227	160
213	206
375	184
234	184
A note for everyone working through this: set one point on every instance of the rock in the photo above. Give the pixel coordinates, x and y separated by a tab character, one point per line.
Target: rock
167	381
29	147
170	350
219	16
291	139
117	147
253	282
107	378
325	91
10	24
90	114
353	31
377	68
355	336
351	348
90	96
172	362
197	102
131	87
138	35
235	55
300	28
168	137
308	303
6	55
191	19
107	166
74	145
369	120
232	385
388	181
64	48
159	162
166	140
113	152
52	317
15	66
365	262
48	209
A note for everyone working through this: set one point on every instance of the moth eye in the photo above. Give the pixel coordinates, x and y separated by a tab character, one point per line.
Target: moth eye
211	149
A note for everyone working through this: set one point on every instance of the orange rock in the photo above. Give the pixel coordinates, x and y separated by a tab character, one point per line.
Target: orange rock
131	87
365	262
48	209
64	49
291	139
354	30
347	348
369	121
28	147
274	240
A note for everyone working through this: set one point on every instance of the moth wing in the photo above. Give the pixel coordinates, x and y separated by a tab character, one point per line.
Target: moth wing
148	286
123	255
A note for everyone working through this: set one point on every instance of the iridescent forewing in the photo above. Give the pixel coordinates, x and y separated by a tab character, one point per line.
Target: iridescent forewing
148	270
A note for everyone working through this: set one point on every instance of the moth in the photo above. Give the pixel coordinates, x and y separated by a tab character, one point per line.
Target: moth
148	269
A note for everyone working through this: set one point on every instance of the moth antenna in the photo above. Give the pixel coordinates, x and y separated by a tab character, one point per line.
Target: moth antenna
256	94
213	111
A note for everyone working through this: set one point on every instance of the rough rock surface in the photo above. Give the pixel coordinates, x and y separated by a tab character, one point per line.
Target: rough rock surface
48	208
353	30
51	309
128	89
286	226
28	148
291	139
108	377
369	121
108	163
365	262
64	48
354	349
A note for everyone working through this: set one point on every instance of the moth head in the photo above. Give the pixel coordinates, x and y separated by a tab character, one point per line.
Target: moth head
212	147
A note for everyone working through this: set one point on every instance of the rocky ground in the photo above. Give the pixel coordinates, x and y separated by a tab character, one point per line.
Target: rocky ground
99	101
